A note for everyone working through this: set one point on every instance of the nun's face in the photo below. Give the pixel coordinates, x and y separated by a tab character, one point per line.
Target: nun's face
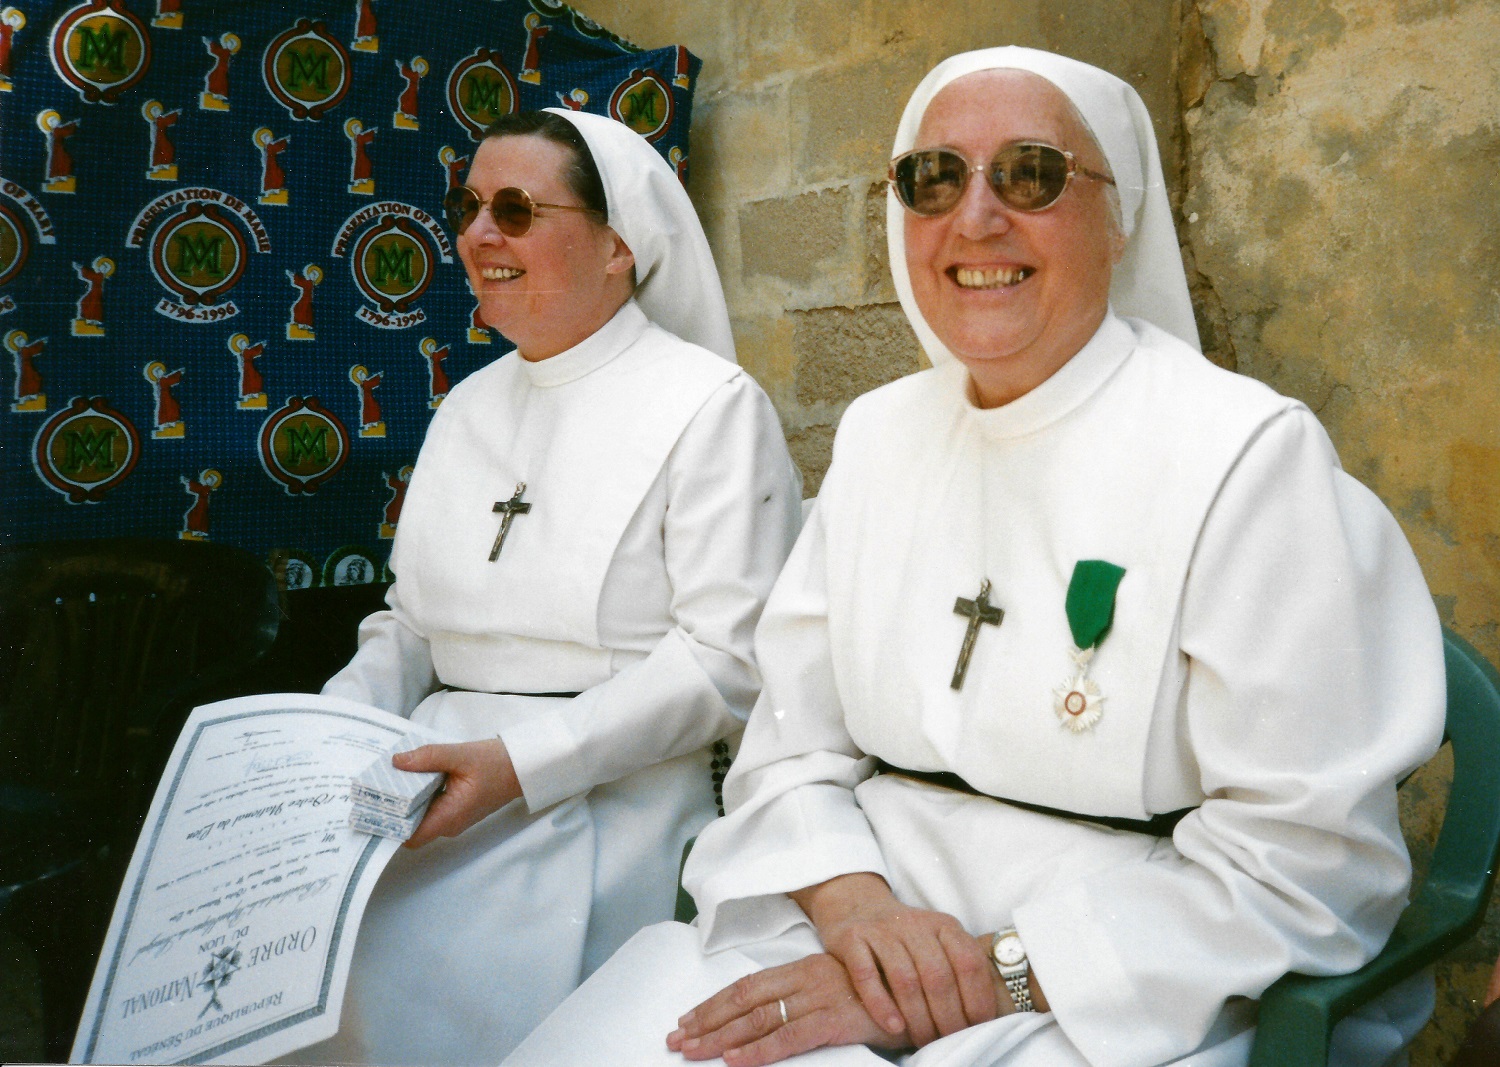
1013	294
566	277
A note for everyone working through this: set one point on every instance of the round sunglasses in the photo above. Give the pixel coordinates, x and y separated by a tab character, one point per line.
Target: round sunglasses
1026	177
512	209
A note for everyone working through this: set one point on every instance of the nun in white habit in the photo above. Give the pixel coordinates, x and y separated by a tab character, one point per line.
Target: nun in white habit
1091	677
591	530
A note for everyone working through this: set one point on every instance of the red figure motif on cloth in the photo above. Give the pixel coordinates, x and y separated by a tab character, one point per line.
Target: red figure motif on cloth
59	161
90	320
680	77
479	331
215	95
361	174
397	485
679	163
169	424
272	177
454	166
163	152
29	394
300	326
12	21
437	377
370	422
252	382
574	99
531	65
366	34
195	519
405	115
168	15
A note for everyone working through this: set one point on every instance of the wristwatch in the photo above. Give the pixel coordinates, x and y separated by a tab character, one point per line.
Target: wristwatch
1009	957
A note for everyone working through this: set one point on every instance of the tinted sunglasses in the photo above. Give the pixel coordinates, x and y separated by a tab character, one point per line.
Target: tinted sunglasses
1026	177
512	209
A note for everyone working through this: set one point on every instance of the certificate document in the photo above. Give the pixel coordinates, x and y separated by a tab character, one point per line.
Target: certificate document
232	936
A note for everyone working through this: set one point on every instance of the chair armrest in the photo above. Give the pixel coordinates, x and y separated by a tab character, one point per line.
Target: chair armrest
1298	1013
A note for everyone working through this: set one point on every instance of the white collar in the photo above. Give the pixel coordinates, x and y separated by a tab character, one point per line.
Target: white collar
593	352
1070	385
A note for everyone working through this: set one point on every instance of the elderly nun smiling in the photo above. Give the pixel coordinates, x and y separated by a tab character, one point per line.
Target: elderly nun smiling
1089	681
590	533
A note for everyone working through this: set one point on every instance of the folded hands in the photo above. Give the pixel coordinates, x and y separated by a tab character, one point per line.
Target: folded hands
892	976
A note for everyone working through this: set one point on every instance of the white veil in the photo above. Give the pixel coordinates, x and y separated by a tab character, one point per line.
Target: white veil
677	284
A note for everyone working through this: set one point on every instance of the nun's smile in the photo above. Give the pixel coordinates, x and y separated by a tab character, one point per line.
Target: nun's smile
993	278
548	289
1012	294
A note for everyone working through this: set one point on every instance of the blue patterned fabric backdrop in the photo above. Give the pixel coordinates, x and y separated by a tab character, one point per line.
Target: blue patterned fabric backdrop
228	303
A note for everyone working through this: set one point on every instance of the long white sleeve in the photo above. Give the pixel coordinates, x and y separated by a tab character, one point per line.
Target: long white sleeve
393	667
725	510
793	819
1314	684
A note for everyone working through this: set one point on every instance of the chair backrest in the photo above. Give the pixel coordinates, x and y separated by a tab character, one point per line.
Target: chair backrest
97	638
1463	860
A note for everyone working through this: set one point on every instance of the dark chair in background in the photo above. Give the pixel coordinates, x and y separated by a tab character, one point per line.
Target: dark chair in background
104	648
1298	1013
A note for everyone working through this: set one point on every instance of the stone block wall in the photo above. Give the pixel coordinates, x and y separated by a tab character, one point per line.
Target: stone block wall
1336	164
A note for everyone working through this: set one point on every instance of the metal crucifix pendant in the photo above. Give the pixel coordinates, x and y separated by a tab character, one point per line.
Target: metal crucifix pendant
978	610
510	508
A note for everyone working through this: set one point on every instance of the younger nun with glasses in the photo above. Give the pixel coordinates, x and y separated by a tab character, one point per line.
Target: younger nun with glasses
1091	677
592	528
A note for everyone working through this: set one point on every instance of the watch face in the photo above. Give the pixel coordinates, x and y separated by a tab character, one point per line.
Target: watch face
1008	951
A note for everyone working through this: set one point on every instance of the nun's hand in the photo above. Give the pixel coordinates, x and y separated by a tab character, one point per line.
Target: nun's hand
780	1012
481	780
916	972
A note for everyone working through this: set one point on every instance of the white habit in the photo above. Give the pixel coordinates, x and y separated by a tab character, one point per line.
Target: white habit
1274	664
663	503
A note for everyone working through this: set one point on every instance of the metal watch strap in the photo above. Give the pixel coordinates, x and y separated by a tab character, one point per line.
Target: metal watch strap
1020	990
1013	966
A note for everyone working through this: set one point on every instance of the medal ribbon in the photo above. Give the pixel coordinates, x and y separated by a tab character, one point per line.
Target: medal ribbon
1091	600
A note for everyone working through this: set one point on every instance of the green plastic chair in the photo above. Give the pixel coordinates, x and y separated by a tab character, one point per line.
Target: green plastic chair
1298	1013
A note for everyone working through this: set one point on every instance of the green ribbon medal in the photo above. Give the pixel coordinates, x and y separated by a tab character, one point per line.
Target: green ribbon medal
1091	600
1091	611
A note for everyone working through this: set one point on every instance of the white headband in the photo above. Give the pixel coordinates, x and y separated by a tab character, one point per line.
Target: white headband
677	284
1148	282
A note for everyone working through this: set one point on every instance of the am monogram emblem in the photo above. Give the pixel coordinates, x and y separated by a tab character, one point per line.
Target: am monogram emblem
390	246
15	244
391	263
480	90
643	102
86	449
303	445
199	250
101	49
199	254
306	69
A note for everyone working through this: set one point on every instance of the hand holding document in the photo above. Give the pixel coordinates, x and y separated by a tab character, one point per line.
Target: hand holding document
388	802
235	926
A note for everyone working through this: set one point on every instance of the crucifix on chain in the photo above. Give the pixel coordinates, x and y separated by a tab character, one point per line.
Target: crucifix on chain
978	610
510	509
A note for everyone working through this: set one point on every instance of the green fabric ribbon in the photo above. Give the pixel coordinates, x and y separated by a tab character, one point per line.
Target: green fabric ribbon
1091	600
